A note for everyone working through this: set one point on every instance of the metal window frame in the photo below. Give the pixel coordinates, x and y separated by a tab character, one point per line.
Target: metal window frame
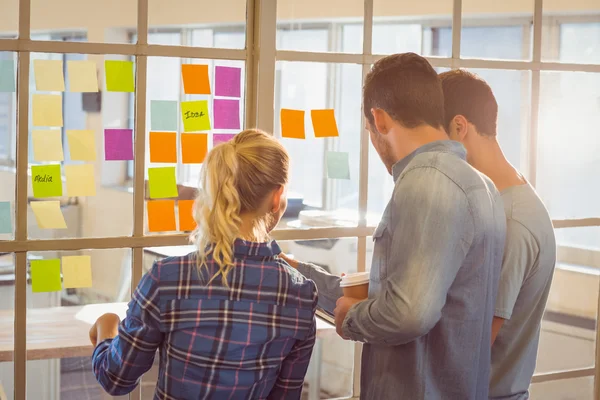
261	28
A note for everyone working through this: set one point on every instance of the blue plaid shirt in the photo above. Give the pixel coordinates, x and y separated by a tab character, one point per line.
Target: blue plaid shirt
252	340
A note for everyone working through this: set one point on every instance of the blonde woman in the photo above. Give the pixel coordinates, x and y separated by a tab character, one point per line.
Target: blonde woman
231	320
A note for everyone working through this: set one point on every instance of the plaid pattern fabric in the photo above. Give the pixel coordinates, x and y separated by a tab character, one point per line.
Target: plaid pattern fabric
252	340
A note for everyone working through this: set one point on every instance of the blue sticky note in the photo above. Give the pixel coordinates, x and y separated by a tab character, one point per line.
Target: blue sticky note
7	76
5	217
163	115
338	165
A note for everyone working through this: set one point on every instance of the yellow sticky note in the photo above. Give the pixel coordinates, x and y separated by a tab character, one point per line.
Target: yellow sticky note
47	145
47	110
77	272
80	180
48	214
119	76
49	75
292	124
82	76
82	145
45	275
195	116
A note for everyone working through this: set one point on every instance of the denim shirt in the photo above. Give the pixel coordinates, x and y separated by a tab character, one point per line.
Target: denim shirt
426	326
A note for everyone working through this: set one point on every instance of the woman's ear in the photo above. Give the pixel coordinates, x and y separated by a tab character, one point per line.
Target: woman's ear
277	194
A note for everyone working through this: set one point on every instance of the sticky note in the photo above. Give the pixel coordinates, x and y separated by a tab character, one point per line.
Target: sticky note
82	145
186	215
161	215
47	145
163	147
77	272
47	110
80	180
48	214
119	76
5	217
7	76
83	77
45	275
49	75
194	147
163	115
338	165
195	79
228	81
226	113
118	144
292	124
219	138
46	180
195	116
324	124
162	182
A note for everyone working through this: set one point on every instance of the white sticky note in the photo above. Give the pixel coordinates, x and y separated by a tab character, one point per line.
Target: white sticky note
77	272
82	76
49	75
48	214
80	180
47	145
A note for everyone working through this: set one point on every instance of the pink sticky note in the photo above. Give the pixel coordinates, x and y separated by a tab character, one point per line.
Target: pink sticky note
118	144
226	114
228	81
219	138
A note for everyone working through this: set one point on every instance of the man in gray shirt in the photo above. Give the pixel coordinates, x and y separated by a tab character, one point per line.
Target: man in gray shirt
426	325
530	252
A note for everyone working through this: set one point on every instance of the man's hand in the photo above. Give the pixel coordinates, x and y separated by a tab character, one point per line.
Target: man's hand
293	263
106	327
342	306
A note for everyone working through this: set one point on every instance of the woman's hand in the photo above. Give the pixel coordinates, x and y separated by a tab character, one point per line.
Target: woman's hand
293	263
106	327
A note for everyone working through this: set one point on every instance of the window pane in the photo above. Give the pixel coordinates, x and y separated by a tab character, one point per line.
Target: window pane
580	43
58	322
9	21
227	16
102	22
414	26
308	86
8	127
567	150
7	318
576	388
325	22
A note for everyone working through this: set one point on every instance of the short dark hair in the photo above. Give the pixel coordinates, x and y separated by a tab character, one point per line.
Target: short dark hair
407	88
468	95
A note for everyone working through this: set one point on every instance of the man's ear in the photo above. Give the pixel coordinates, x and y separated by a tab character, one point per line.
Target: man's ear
277	194
381	120
460	126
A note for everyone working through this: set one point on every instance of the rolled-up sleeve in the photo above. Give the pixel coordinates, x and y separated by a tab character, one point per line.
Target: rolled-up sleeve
431	231
119	363
328	285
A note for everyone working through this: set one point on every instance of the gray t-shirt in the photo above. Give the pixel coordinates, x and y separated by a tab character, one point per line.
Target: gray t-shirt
527	269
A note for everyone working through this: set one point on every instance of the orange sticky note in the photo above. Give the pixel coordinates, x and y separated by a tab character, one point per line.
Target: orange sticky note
292	124
324	124
193	147
186	215
163	147
161	215
195	79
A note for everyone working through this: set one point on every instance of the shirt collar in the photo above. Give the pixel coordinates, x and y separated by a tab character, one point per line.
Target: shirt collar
449	146
265	249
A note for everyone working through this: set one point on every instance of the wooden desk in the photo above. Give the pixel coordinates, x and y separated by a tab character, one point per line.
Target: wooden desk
62	332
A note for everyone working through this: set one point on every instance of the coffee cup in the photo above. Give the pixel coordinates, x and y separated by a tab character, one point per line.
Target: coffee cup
356	285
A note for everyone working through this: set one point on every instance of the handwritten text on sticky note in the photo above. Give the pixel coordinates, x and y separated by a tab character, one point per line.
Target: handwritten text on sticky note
195	116
46	180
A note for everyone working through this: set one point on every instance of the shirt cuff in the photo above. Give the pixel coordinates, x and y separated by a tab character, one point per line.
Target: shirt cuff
101	347
348	327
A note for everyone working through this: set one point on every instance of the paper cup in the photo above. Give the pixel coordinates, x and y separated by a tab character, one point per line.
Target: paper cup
356	285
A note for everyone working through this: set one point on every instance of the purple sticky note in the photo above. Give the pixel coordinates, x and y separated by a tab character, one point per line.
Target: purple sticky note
226	114
118	144
219	138
228	81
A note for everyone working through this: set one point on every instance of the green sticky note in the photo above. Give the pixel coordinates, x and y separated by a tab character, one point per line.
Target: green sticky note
46	180
45	276
163	115
7	76
195	116
119	76
338	165
162	182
